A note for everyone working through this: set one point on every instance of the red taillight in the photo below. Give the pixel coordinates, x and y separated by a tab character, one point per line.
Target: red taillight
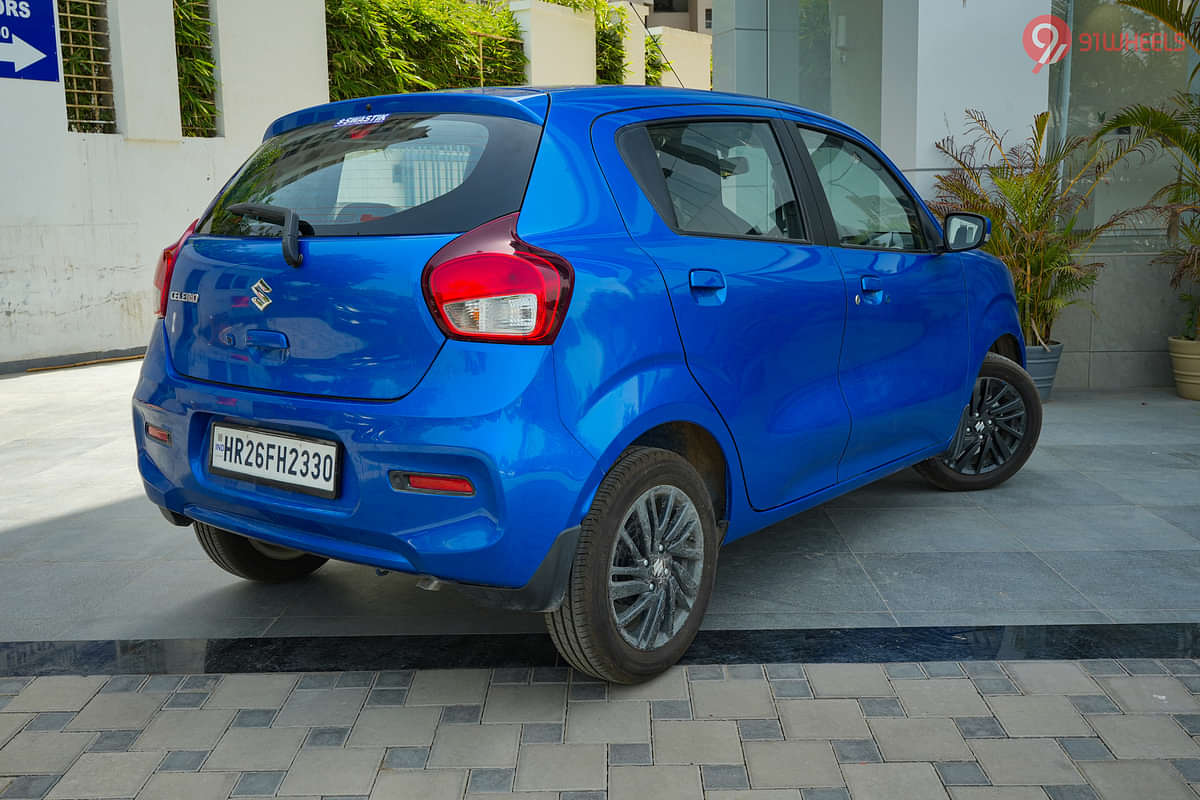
487	285
166	265
158	434
446	484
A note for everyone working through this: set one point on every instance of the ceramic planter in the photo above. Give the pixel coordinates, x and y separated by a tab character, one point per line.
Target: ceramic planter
1042	365
1185	361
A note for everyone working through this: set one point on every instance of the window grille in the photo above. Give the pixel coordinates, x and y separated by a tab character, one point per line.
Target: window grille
87	66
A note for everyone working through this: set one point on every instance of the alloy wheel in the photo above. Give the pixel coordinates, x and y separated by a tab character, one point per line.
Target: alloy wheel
992	428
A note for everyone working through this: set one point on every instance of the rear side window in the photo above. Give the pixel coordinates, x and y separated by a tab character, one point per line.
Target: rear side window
383	175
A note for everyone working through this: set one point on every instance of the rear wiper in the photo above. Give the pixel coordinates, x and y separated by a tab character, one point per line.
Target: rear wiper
286	218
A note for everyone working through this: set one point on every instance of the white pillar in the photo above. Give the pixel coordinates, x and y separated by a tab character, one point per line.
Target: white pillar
635	39
560	43
144	69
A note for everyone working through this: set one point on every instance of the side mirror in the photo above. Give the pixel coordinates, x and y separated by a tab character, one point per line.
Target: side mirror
964	231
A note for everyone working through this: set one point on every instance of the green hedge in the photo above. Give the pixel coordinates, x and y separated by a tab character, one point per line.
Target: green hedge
655	64
387	46
197	68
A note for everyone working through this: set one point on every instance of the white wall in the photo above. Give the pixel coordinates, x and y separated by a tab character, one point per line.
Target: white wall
635	39
83	217
560	43
690	54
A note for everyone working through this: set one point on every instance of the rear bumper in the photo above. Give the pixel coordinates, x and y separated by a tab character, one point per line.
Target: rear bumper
488	412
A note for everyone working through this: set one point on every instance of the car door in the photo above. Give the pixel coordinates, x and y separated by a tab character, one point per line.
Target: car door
760	306
905	352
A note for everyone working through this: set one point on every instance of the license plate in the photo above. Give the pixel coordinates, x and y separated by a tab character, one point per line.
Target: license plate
312	466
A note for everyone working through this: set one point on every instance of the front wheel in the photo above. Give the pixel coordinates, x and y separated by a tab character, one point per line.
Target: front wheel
997	433
643	572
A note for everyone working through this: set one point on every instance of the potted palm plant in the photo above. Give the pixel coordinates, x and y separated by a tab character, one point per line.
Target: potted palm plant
1176	129
1035	192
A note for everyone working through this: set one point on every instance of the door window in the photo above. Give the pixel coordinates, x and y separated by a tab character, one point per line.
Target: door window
870	208
725	178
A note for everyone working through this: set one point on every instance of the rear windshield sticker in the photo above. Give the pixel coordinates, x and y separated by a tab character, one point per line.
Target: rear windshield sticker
370	119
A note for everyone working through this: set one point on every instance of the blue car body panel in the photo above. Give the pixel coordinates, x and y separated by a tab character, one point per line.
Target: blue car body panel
793	394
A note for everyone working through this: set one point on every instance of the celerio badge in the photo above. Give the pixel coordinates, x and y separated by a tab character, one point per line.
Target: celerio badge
262	295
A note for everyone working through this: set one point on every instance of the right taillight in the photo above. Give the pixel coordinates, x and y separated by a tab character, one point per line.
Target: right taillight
166	266
487	285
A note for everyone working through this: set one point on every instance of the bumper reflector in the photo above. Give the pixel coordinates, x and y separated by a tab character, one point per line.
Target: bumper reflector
432	484
158	434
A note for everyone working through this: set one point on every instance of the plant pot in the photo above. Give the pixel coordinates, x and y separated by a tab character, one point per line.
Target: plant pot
1185	361
1042	365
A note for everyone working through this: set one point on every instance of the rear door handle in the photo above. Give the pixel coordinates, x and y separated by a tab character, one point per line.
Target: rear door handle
870	283
267	340
706	279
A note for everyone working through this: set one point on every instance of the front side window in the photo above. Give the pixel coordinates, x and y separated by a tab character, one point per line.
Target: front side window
870	208
725	178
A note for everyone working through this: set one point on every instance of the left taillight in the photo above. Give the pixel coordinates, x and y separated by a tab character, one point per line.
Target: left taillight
166	265
488	285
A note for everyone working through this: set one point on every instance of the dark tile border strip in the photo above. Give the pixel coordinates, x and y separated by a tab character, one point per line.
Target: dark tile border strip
826	645
11	368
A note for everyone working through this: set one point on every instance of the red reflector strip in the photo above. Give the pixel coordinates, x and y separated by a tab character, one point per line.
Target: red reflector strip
158	434
449	484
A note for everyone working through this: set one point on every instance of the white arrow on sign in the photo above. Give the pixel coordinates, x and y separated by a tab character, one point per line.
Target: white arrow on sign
20	53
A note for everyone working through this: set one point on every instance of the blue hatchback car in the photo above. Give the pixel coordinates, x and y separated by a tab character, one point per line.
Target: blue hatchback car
554	347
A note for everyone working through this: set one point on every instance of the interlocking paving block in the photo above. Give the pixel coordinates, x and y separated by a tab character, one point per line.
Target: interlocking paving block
1024	762
1191	683
901	671
831	793
106	775
318	680
184	730
789	671
600	723
670	685
760	730
1151	694
941	697
670	709
116	711
1070	793
943	669
475	746
1189	722
782	765
588	795
791	690
254	718
464	715
445	687
1181	666
55	693
550	675
4	700
29	787
189	785
1136	779
1142	666
183	761
848	680
13	685
50	721
113	741
490	780
979	728
387	697
881	707
161	684
1094	704
713	742
562	767
724	776
1144	736
744	672
1102	666
1051	677
437	784
395	679
355	680
395	727
510	675
123	683
256	749
658	782
405	757
327	737
252	691
856	751
583	692
1085	749
731	699
1189	768
542	733
331	770
705	672
961	773
983	669
919	740
186	700
822	719
629	754
991	686
200	683
320	707
534	703
1039	715
41	753
893	782
252	784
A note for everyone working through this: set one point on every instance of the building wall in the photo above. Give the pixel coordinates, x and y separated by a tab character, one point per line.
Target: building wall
560	43
690	56
80	239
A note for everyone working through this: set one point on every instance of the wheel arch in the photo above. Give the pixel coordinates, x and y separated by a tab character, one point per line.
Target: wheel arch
1008	346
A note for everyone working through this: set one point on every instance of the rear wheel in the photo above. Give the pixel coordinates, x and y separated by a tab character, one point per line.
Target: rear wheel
643	572
255	560
997	434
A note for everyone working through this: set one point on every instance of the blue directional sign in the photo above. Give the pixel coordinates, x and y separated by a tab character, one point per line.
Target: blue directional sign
28	40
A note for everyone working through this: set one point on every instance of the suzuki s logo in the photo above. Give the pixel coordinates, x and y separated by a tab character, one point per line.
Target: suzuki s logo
262	295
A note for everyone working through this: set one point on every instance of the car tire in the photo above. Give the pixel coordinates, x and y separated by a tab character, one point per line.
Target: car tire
254	560
588	629
997	433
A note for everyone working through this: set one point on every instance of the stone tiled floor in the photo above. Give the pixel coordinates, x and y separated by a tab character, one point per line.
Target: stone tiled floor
1102	525
1020	730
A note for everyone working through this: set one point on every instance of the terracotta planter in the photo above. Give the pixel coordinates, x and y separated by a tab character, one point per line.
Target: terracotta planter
1185	361
1042	365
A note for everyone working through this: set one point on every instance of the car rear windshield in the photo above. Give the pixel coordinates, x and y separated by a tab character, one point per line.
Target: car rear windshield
384	174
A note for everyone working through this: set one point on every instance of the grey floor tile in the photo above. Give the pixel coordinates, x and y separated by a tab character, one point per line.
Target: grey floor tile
183	761
765	730
254	718
29	787
542	733
881	707
833	583
1189	722
490	780
510	675
785	671
1096	528
724	776
13	685
113	741
256	784
394	679
405	757
1070	792
50	721
989	686
319	680
327	737
1189	768
355	680
1143	666
550	675
900	670
1186	518
705	673
961	773
1129	579
186	700
856	751
791	690
459	715
123	683
156	684
1094	704
826	794
200	683
1085	749
588	691
387	697
983	669
634	754
1181	666
926	530
980	728
1102	666
670	709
